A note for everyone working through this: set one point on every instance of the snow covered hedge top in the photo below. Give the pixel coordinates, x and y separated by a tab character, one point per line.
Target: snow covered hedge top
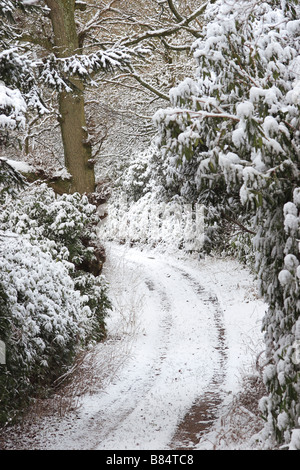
42	215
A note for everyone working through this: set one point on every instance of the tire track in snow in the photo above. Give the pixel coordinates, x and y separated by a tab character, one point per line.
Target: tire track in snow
184	305
164	324
113	423
114	412
204	411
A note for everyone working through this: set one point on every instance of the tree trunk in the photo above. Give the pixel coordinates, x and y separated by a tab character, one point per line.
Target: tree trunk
77	149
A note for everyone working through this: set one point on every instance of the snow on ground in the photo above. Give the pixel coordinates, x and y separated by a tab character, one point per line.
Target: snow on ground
181	331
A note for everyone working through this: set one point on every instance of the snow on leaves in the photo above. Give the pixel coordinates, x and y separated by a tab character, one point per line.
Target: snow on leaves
235	129
12	108
19	90
56	72
44	303
245	96
49	308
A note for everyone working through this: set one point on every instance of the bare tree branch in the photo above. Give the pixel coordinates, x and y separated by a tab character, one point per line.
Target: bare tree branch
175	12
162	33
137	77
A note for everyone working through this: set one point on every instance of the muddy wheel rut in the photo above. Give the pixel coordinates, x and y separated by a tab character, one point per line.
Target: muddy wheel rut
200	418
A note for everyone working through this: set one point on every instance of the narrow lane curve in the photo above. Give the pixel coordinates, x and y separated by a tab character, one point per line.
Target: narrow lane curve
178	335
186	340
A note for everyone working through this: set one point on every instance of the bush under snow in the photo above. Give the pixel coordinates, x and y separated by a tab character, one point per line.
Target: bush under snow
49	307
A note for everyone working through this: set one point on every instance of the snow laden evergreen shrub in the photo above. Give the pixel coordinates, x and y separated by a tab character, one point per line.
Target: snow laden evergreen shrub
232	136
64	226
50	308
67	220
18	88
45	319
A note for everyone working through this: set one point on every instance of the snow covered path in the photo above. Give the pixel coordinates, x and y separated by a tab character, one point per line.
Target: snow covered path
179	352
180	334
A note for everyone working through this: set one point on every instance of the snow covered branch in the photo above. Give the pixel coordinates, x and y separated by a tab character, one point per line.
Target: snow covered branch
56	71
